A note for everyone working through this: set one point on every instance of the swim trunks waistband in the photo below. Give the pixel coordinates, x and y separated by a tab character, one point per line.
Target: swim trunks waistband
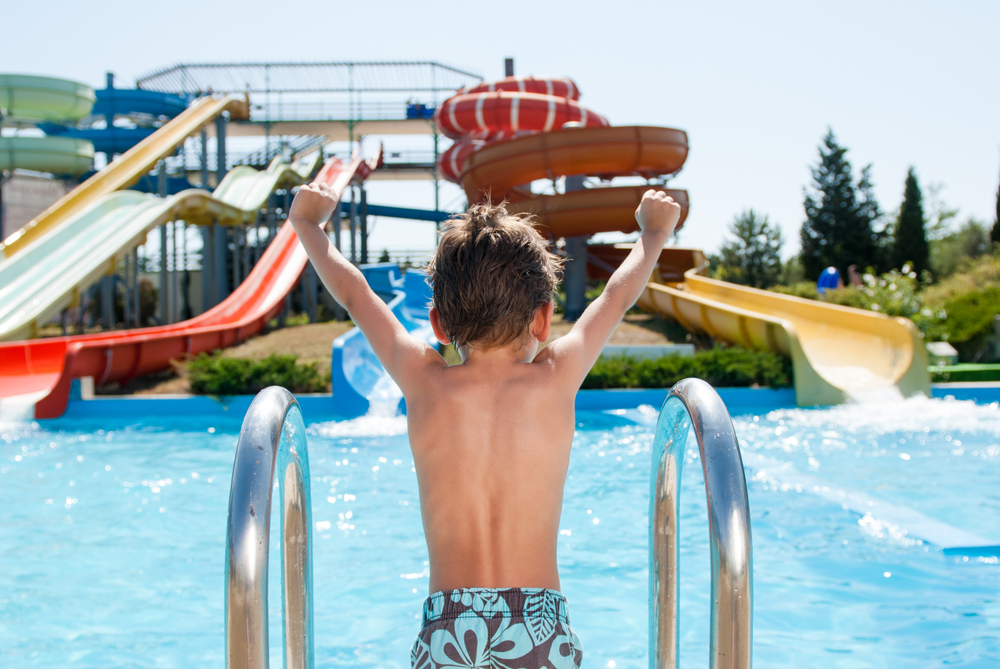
494	602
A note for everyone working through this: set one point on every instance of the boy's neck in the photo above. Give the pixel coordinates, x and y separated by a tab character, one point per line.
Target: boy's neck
515	353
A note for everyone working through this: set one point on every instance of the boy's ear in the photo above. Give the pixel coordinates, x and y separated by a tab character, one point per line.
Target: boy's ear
436	326
541	326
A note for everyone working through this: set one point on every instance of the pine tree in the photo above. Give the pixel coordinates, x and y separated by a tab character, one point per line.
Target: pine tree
910	239
995	232
753	258
840	216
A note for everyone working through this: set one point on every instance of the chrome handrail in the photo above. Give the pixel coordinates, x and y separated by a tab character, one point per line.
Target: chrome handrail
272	442
693	402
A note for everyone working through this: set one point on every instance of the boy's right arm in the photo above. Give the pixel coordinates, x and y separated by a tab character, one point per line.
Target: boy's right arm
402	355
577	352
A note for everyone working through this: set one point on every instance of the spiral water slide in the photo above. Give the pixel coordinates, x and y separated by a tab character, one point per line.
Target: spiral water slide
37	373
510	133
522	129
30	100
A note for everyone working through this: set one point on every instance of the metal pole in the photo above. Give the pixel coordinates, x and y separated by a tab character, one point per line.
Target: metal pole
127	302
237	255
272	446
437	189
186	277
692	403
363	220
247	266
354	227
207	271
173	273
220	148
108	302
164	284
575	274
204	159
221	247
137	284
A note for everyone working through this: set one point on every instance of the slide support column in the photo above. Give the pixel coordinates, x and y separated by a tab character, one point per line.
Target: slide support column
575	274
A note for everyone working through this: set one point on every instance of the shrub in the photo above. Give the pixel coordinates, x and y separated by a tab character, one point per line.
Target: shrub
969	322
215	375
895	293
806	289
721	366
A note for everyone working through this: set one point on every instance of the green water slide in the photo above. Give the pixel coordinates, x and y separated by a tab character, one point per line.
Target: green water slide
47	275
27	100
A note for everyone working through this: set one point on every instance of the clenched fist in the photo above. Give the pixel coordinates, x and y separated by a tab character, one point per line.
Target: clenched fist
314	203
657	212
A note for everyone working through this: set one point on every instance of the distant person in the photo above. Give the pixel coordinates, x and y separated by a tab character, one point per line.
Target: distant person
829	279
490	437
853	277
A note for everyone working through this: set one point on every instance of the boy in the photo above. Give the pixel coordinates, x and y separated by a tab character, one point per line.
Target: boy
490	437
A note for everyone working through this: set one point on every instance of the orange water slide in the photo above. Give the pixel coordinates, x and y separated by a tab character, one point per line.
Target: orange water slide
521	129
39	371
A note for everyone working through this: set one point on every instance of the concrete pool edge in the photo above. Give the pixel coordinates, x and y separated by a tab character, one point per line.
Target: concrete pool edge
323	406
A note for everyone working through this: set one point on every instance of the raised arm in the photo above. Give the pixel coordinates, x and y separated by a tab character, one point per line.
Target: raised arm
402	355
577	352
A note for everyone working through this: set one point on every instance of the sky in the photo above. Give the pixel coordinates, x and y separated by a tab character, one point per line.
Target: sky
755	85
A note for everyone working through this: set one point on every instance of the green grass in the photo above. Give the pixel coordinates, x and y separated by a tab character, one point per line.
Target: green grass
721	366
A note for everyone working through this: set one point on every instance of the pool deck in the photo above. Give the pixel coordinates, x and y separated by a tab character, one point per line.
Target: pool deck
323	406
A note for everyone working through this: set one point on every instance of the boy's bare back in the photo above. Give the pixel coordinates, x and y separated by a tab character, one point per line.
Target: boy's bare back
490	437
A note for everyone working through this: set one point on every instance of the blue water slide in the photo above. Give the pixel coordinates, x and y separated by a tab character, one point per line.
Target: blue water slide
360	383
112	102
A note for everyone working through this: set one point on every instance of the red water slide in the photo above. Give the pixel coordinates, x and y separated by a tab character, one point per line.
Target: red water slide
519	129
45	367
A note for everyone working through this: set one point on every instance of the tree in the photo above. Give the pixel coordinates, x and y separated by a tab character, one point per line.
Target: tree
995	232
910	237
971	240
839	230
753	258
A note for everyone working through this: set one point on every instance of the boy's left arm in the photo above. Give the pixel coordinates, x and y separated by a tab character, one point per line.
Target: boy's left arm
403	356
575	353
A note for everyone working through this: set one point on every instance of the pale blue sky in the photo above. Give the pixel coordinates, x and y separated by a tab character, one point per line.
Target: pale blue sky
754	84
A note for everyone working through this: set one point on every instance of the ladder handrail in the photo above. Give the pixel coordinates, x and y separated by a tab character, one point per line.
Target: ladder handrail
692	402
272	442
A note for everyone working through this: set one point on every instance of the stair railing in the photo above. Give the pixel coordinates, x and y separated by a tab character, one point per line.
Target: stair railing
272	445
694	403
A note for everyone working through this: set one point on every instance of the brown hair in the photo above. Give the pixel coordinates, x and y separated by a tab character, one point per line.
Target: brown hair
490	273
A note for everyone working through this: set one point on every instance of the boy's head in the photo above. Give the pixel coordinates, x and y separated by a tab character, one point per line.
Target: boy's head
492	270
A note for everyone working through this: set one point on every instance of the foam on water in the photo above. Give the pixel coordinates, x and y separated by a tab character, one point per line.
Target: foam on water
887	413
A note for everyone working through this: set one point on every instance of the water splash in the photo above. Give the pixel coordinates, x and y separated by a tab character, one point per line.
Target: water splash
885	415
20	408
382	420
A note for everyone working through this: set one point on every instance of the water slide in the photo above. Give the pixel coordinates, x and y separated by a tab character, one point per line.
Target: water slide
48	275
35	375
29	101
125	171
518	130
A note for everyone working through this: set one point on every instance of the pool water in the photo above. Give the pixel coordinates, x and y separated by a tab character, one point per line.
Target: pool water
112	540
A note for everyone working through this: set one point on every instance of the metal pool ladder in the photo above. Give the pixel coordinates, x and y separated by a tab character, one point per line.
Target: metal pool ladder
271	450
694	403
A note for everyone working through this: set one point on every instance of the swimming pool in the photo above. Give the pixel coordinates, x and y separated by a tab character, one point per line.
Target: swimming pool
112	539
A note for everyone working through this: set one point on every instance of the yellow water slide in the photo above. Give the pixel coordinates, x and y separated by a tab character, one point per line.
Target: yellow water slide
126	170
837	352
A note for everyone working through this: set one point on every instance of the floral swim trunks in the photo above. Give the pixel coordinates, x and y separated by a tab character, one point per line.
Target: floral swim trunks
513	628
